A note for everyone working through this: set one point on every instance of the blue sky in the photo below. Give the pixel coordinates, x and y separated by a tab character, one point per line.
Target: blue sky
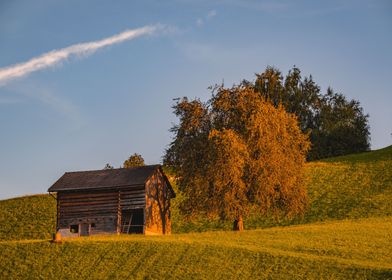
91	110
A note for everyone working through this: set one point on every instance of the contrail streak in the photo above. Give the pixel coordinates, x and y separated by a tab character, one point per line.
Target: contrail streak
56	56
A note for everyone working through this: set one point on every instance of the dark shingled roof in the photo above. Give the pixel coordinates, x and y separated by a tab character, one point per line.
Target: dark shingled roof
104	179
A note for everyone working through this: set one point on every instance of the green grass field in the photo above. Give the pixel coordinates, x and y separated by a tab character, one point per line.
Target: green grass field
358	249
351	187
345	234
29	217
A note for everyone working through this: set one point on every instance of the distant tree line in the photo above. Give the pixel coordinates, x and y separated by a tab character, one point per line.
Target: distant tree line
336	125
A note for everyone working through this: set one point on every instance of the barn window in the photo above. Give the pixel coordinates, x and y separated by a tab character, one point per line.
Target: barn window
74	228
92	225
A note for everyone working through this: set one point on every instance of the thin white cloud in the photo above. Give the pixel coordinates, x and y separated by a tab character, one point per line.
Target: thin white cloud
59	105
211	14
218	54
51	98
8	101
200	21
55	57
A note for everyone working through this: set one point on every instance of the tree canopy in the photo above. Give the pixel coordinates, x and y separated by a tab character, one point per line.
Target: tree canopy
337	126
134	161
237	153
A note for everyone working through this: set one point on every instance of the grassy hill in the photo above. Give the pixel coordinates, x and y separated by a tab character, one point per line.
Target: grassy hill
28	217
346	233
355	186
358	249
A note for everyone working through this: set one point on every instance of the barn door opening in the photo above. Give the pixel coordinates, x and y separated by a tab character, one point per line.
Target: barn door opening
84	229
132	221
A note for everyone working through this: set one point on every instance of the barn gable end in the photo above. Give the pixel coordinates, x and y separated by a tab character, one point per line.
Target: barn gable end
158	194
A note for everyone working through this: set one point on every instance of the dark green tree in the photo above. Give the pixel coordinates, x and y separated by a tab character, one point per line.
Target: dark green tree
336	125
343	127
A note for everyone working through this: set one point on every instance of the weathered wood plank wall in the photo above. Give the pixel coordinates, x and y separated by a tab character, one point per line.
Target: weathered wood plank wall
99	208
133	198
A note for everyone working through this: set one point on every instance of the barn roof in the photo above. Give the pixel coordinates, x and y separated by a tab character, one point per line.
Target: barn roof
104	179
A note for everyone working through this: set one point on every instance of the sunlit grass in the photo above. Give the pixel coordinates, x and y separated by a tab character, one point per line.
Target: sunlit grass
337	250
28	217
345	234
340	190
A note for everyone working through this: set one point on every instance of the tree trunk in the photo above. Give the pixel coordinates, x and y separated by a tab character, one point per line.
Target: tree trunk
238	224
163	220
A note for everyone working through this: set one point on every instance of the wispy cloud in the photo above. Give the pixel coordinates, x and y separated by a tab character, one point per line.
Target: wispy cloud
8	100
211	14
60	105
47	95
266	6
55	57
200	21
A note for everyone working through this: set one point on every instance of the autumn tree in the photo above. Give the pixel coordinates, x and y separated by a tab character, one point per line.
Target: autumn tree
134	161
237	153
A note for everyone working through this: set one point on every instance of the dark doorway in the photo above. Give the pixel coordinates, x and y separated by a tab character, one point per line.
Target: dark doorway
84	229
132	221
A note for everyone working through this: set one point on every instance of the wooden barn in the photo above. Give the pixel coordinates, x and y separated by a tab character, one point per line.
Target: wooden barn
125	200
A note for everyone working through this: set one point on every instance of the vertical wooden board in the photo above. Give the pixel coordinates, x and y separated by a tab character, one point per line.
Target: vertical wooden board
118	225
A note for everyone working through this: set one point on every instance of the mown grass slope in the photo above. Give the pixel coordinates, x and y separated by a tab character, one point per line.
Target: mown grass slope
358	249
346	234
354	186
28	217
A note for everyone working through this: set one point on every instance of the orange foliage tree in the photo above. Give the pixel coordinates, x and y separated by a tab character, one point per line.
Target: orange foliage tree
134	160
238	152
